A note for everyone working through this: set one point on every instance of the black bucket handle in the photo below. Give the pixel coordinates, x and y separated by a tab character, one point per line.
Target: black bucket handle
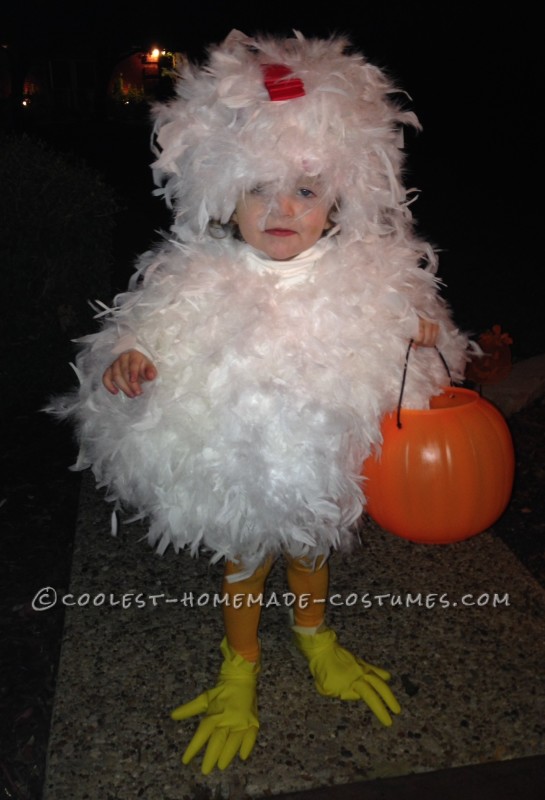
403	379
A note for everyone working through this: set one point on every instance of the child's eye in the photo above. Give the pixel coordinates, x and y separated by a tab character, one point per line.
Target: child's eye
259	189
304	191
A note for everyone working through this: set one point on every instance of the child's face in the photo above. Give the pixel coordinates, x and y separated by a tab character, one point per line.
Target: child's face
283	223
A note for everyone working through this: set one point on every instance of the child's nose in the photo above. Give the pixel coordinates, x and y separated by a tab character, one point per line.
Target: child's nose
284	205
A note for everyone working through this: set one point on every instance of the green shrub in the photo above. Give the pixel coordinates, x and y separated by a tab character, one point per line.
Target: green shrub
56	230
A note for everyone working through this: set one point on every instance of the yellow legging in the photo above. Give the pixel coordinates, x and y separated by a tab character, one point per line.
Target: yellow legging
241	619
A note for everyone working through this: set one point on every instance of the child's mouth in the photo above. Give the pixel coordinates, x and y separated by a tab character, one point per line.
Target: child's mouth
280	232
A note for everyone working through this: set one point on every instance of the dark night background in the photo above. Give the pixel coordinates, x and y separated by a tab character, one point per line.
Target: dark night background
474	78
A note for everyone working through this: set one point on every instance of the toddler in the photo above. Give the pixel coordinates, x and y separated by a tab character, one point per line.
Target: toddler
233	393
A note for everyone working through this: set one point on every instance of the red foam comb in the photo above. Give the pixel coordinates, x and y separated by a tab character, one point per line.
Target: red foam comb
279	85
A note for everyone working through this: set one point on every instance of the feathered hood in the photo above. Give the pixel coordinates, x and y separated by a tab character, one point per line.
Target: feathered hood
265	110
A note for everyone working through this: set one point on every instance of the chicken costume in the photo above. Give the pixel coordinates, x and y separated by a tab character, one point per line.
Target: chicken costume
272	377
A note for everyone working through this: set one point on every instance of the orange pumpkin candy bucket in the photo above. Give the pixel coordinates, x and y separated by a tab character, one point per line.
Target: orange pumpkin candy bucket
443	474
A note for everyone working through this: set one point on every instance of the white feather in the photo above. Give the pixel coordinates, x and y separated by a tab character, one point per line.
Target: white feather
268	399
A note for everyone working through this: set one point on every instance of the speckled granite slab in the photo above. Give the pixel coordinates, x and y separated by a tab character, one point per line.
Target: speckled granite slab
468	672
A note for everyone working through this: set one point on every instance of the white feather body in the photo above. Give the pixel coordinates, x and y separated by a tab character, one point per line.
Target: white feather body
268	398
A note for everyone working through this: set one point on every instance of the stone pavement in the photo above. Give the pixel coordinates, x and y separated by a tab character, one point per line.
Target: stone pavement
464	640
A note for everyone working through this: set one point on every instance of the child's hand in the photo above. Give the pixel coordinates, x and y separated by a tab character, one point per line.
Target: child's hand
127	373
428	333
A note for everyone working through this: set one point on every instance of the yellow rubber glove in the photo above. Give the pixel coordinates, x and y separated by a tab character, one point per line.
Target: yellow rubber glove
337	673
231	722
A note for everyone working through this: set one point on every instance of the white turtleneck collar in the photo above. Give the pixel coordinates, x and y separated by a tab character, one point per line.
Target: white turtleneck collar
291	272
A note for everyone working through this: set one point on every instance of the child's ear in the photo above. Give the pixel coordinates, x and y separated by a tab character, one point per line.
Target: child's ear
329	222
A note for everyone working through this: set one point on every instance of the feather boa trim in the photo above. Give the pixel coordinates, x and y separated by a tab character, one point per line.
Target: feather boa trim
268	399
